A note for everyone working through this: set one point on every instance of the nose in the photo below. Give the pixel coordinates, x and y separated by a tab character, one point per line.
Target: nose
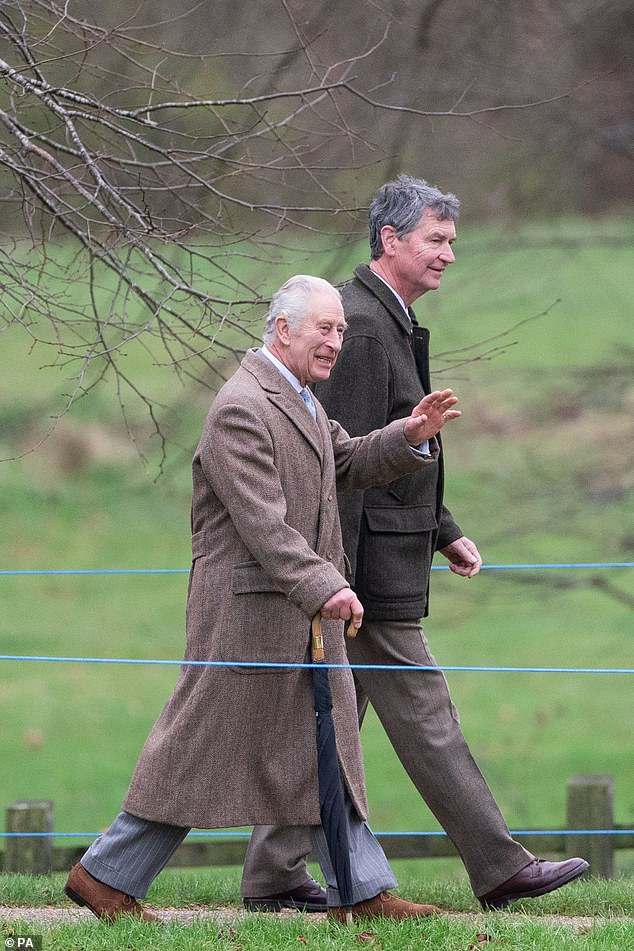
333	339
447	254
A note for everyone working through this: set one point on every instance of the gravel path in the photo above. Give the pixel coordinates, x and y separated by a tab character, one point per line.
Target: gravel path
48	916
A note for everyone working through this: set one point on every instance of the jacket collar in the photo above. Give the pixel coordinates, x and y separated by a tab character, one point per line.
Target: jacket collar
267	375
366	276
281	394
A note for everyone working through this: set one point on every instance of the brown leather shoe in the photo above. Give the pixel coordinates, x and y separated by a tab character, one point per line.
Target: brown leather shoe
103	901
384	905
537	878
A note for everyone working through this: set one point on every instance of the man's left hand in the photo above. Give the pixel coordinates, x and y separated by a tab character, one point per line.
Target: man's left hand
464	558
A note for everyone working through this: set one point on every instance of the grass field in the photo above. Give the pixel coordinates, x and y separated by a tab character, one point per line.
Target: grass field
255	934
555	923
539	470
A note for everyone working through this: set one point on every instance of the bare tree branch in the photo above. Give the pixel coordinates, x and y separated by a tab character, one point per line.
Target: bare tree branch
146	183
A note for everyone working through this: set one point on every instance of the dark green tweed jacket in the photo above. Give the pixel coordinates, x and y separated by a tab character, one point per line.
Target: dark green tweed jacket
390	532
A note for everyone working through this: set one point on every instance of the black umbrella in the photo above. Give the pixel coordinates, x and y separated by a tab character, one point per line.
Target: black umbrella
334	818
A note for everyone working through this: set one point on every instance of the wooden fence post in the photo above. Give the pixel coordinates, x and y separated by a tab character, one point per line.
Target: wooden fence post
591	806
26	854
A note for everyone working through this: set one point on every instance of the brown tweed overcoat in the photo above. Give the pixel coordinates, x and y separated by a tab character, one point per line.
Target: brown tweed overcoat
236	745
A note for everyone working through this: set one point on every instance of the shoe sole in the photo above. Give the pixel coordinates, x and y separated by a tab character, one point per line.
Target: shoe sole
79	901
504	900
271	904
84	904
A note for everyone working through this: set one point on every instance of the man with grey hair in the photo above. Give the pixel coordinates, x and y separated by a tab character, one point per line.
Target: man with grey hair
390	534
235	743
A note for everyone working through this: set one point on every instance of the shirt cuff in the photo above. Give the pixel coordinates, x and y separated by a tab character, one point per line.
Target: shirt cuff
422	449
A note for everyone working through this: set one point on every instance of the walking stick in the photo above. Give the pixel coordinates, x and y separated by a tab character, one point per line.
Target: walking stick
332	809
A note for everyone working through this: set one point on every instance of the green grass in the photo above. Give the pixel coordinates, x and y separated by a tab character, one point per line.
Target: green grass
612	904
538	470
439	881
509	934
257	935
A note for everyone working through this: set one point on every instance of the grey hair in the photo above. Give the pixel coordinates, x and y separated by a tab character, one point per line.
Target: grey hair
294	301
402	203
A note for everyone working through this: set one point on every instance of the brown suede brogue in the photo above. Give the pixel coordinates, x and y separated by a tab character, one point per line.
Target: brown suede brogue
537	878
104	901
384	905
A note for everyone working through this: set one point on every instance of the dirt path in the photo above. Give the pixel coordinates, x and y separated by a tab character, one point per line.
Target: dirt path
48	916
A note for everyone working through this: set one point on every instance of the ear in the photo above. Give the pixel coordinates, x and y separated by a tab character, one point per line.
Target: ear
388	240
282	329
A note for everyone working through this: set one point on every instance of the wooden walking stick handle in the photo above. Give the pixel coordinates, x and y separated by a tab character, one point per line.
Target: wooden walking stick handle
317	640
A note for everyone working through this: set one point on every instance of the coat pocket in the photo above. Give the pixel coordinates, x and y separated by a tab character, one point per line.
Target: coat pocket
263	626
397	551
251	578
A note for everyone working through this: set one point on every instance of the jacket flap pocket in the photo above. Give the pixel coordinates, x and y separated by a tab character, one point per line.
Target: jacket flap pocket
251	578
401	519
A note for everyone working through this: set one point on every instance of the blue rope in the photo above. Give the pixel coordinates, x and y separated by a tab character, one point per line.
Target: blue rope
246	835
181	571
247	663
225	834
102	571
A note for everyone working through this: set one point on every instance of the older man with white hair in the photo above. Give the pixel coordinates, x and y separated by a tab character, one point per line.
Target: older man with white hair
235	744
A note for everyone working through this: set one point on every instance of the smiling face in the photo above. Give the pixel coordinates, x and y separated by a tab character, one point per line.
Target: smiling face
310	351
415	263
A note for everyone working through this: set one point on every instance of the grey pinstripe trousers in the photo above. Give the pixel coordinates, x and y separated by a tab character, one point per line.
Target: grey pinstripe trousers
132	852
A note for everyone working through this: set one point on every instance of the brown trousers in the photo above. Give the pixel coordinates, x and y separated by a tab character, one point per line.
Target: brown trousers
424	728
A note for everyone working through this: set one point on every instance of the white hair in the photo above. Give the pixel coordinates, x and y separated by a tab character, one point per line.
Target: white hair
294	301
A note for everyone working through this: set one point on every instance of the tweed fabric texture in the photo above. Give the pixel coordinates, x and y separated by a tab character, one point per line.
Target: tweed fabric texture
390	532
236	745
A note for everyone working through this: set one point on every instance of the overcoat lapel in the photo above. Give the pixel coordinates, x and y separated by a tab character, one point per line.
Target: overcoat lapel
366	276
291	405
283	396
328	476
419	336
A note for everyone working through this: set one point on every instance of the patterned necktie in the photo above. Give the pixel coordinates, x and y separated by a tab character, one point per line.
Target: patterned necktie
308	400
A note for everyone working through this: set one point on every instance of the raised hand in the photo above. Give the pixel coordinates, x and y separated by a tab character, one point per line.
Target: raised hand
429	417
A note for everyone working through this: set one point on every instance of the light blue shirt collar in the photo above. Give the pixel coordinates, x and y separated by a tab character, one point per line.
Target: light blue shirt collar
286	373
